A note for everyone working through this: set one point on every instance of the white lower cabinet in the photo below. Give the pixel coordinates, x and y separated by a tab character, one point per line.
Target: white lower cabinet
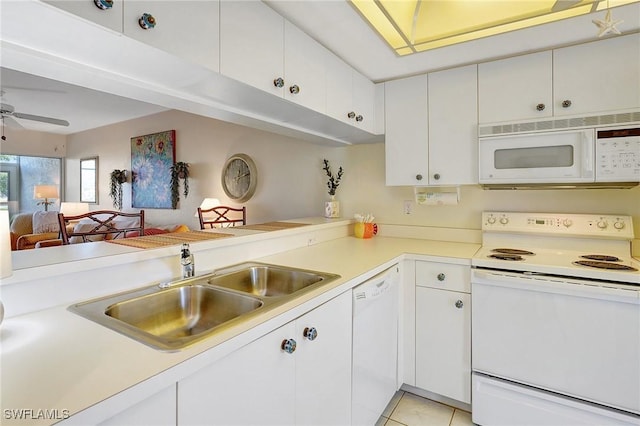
263	384
443	330
158	410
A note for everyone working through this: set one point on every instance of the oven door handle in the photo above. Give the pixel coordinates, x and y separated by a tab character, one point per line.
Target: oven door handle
557	285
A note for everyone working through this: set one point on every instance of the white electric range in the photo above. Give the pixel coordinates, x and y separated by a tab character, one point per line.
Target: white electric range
555	321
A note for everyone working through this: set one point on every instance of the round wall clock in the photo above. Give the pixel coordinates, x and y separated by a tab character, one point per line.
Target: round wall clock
239	177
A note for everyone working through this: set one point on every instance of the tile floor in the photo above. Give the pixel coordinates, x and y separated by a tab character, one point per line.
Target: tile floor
411	410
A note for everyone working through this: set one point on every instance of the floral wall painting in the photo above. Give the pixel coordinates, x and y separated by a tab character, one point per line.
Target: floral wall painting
151	159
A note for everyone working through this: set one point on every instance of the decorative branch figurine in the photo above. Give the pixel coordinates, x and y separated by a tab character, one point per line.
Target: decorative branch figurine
333	181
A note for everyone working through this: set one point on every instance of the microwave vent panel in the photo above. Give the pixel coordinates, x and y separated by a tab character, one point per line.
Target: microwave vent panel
558	124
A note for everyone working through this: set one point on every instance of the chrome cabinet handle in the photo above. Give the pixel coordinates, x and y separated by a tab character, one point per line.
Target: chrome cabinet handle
359	118
278	82
147	21
418	177
103	4
566	103
310	333
441	276
540	107
295	89
288	345
351	114
459	304
436	176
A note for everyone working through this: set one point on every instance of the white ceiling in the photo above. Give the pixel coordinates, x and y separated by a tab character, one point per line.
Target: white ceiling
336	25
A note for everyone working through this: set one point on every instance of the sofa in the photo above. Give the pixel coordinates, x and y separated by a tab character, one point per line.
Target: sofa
24	235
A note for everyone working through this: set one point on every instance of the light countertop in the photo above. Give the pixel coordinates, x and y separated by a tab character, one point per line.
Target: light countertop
55	359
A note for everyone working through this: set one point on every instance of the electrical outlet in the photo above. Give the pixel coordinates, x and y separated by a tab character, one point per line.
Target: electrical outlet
408	206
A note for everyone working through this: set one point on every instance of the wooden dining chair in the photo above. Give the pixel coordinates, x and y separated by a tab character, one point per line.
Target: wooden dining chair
99	225
222	217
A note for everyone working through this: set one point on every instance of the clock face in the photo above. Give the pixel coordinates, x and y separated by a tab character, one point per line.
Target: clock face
239	177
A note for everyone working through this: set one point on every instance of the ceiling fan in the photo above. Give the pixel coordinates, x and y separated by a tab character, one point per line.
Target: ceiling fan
7	112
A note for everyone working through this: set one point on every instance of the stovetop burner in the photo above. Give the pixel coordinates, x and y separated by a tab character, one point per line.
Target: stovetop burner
506	256
601	257
604	265
512	251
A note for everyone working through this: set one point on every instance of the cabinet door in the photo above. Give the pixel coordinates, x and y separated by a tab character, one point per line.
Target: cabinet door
363	101
597	77
304	64
185	28
339	88
110	18
159	410
511	89
406	120
323	365
253	385
443	343
453	126
252	44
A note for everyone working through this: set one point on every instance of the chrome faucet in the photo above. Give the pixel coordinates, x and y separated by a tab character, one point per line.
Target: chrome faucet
187	261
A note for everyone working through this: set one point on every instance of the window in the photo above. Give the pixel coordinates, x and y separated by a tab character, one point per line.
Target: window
89	180
18	176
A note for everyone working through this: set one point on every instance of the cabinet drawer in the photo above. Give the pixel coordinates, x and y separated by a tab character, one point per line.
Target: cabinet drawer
444	276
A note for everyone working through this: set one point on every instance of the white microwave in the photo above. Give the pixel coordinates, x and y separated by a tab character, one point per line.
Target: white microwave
584	156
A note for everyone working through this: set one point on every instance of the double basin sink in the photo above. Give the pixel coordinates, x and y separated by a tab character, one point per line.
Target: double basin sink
172	316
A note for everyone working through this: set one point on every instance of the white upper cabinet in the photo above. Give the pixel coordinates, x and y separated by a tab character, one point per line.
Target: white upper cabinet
517	88
258	47
252	45
110	17
453	126
304	69
406	138
597	77
350	95
185	28
591	78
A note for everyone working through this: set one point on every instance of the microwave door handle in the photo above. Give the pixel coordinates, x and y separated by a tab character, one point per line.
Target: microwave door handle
588	154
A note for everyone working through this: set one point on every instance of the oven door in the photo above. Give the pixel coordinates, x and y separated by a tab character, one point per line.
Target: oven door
558	157
573	337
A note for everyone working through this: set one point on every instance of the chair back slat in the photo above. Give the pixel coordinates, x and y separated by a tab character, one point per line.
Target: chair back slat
100	223
222	216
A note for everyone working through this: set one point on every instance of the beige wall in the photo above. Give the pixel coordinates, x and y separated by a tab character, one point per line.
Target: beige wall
364	190
290	182
37	144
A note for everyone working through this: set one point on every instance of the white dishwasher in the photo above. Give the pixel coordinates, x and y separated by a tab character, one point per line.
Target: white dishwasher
375	346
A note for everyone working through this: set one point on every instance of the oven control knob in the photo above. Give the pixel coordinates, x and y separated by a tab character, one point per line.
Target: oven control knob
567	222
619	225
491	220
602	224
504	220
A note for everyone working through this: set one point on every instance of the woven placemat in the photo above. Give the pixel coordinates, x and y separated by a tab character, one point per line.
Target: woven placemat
273	226
173	238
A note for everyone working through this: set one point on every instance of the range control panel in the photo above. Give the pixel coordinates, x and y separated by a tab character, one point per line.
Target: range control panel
588	225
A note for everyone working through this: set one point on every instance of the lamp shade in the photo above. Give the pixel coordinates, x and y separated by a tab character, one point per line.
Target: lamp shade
208	203
45	191
5	245
73	209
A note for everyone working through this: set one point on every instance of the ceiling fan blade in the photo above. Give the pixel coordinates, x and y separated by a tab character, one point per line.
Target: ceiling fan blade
10	122
560	5
40	118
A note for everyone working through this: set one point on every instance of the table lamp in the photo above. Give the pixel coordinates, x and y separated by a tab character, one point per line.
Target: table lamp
45	192
207	204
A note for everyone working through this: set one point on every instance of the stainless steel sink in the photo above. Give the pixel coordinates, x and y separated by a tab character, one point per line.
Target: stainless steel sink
170	318
261	279
175	315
